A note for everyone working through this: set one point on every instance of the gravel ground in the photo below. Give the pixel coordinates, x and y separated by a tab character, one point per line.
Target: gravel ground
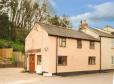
15	76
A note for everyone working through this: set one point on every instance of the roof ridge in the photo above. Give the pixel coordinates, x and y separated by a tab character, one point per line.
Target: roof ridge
56	26
65	32
102	31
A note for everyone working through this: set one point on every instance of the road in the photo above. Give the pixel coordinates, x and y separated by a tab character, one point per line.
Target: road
16	76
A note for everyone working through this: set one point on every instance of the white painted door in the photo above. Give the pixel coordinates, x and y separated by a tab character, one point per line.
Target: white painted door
39	64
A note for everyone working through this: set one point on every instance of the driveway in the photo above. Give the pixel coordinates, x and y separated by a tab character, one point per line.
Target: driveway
15	76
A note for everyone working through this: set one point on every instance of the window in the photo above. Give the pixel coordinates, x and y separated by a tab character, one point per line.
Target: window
62	60
39	59
92	60
62	42
112	59
92	45
79	44
112	43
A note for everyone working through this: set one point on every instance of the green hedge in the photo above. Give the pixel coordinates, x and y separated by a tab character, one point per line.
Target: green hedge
17	46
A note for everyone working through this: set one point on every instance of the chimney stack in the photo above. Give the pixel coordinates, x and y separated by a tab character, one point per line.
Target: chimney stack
83	24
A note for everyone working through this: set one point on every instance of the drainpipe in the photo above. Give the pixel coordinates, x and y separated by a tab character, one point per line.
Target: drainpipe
56	53
100	55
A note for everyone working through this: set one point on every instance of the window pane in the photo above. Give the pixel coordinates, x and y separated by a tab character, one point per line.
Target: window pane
112	59
62	60
112	43
92	45
92	60
79	44
62	42
39	59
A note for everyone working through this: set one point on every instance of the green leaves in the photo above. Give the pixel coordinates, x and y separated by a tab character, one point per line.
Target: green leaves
17	46
59	21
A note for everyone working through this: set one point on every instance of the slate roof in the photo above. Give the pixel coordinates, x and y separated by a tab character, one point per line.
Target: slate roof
102	34
65	32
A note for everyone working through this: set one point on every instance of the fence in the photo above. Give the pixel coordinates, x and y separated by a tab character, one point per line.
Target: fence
19	57
6	52
9	53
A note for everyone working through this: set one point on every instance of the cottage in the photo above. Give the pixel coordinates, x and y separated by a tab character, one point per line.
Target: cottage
106	46
52	49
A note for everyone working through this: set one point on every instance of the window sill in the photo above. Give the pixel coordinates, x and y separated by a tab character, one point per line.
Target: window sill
61	65
91	64
79	48
62	46
92	48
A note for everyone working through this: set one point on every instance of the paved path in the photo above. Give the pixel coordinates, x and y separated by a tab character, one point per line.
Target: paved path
15	76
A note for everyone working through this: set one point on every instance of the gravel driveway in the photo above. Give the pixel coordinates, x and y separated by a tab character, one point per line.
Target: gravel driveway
15	76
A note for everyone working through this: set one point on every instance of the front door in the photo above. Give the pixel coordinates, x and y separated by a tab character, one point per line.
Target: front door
32	63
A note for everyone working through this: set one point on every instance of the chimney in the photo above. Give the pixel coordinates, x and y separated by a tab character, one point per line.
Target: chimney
83	24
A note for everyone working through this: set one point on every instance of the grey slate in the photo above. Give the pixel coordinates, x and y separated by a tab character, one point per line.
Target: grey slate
65	32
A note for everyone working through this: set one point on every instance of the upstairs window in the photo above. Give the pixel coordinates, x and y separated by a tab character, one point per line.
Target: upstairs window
92	45
62	60
62	42
112	43
112	59
79	44
91	60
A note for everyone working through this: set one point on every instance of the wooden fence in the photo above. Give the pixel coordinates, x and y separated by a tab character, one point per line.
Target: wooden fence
6	52
9	53
19	56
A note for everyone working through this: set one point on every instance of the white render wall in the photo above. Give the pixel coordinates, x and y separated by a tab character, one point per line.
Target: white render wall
38	39
107	51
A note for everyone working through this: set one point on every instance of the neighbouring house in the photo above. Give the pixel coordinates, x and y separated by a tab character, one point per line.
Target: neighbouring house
52	49
106	46
109	29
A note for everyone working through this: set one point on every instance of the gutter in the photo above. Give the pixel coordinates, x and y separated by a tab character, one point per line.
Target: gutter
56	54
100	54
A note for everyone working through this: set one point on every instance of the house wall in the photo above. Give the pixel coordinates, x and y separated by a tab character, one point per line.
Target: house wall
109	29
77	59
38	39
107	51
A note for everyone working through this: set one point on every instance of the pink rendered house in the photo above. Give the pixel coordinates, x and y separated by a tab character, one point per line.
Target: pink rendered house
52	49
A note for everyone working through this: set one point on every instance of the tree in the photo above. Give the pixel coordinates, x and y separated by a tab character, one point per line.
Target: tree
4	26
59	21
4	21
54	20
23	14
64	22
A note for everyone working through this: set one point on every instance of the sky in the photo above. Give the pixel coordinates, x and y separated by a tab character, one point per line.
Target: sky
98	13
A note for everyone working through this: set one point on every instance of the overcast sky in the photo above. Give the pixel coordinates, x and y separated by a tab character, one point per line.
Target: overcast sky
98	13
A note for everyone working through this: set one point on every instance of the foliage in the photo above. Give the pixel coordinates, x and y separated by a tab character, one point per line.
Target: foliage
14	60
17	46
18	16
4	26
59	21
5	43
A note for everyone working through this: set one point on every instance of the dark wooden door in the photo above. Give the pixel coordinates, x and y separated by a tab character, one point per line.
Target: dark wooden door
32	63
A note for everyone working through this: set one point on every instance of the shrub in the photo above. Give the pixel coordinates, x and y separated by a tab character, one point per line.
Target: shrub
14	60
5	43
17	46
